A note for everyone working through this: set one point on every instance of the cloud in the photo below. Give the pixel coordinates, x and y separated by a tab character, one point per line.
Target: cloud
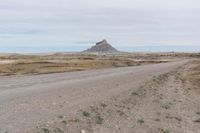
124	23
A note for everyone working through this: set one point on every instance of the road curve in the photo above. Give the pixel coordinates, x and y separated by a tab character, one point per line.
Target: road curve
28	101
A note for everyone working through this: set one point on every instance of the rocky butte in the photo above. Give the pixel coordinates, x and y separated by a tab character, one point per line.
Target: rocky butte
102	47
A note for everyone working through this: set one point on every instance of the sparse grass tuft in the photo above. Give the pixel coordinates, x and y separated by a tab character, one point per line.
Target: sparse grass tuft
178	119
120	112
166	106
135	93
60	117
99	120
198	113
157	119
103	105
166	131
45	130
198	120
86	114
64	122
140	121
76	120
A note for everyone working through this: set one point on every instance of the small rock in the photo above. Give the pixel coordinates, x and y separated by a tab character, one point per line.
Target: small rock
82	131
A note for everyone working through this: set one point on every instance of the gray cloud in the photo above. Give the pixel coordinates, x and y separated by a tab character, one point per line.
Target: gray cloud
124	23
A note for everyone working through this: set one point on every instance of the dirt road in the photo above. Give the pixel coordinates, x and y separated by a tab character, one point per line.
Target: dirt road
29	101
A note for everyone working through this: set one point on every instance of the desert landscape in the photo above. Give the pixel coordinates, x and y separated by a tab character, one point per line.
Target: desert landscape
29	64
19	64
100	92
99	66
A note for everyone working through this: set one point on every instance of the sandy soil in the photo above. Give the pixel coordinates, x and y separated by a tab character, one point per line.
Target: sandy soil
41	103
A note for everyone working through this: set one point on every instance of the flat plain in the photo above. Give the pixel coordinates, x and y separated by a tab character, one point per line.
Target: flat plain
126	93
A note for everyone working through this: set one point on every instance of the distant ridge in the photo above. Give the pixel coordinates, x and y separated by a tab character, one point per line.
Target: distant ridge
102	47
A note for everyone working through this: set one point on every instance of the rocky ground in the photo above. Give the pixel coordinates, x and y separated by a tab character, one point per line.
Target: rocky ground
166	104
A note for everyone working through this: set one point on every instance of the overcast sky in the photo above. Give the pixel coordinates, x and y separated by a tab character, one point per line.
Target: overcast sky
78	24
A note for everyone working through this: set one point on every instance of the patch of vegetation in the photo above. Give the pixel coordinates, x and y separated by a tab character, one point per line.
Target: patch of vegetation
140	121
45	130
74	120
135	93
166	106
64	122
99	120
103	105
120	112
157	119
178	119
60	117
166	131
169	117
198	113
86	114
198	120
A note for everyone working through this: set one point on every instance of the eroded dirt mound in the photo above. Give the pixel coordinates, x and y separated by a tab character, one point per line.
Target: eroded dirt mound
192	76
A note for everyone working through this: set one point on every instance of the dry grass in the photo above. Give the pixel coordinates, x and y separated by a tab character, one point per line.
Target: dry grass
57	63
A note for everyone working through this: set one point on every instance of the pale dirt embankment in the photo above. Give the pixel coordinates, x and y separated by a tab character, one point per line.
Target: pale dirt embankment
59	63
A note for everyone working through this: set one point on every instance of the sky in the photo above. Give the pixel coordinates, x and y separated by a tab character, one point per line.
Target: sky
74	25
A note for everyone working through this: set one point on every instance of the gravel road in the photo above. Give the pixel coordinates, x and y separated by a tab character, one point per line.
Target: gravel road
29	101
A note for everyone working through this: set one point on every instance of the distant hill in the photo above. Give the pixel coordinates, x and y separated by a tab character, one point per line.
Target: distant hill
102	47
